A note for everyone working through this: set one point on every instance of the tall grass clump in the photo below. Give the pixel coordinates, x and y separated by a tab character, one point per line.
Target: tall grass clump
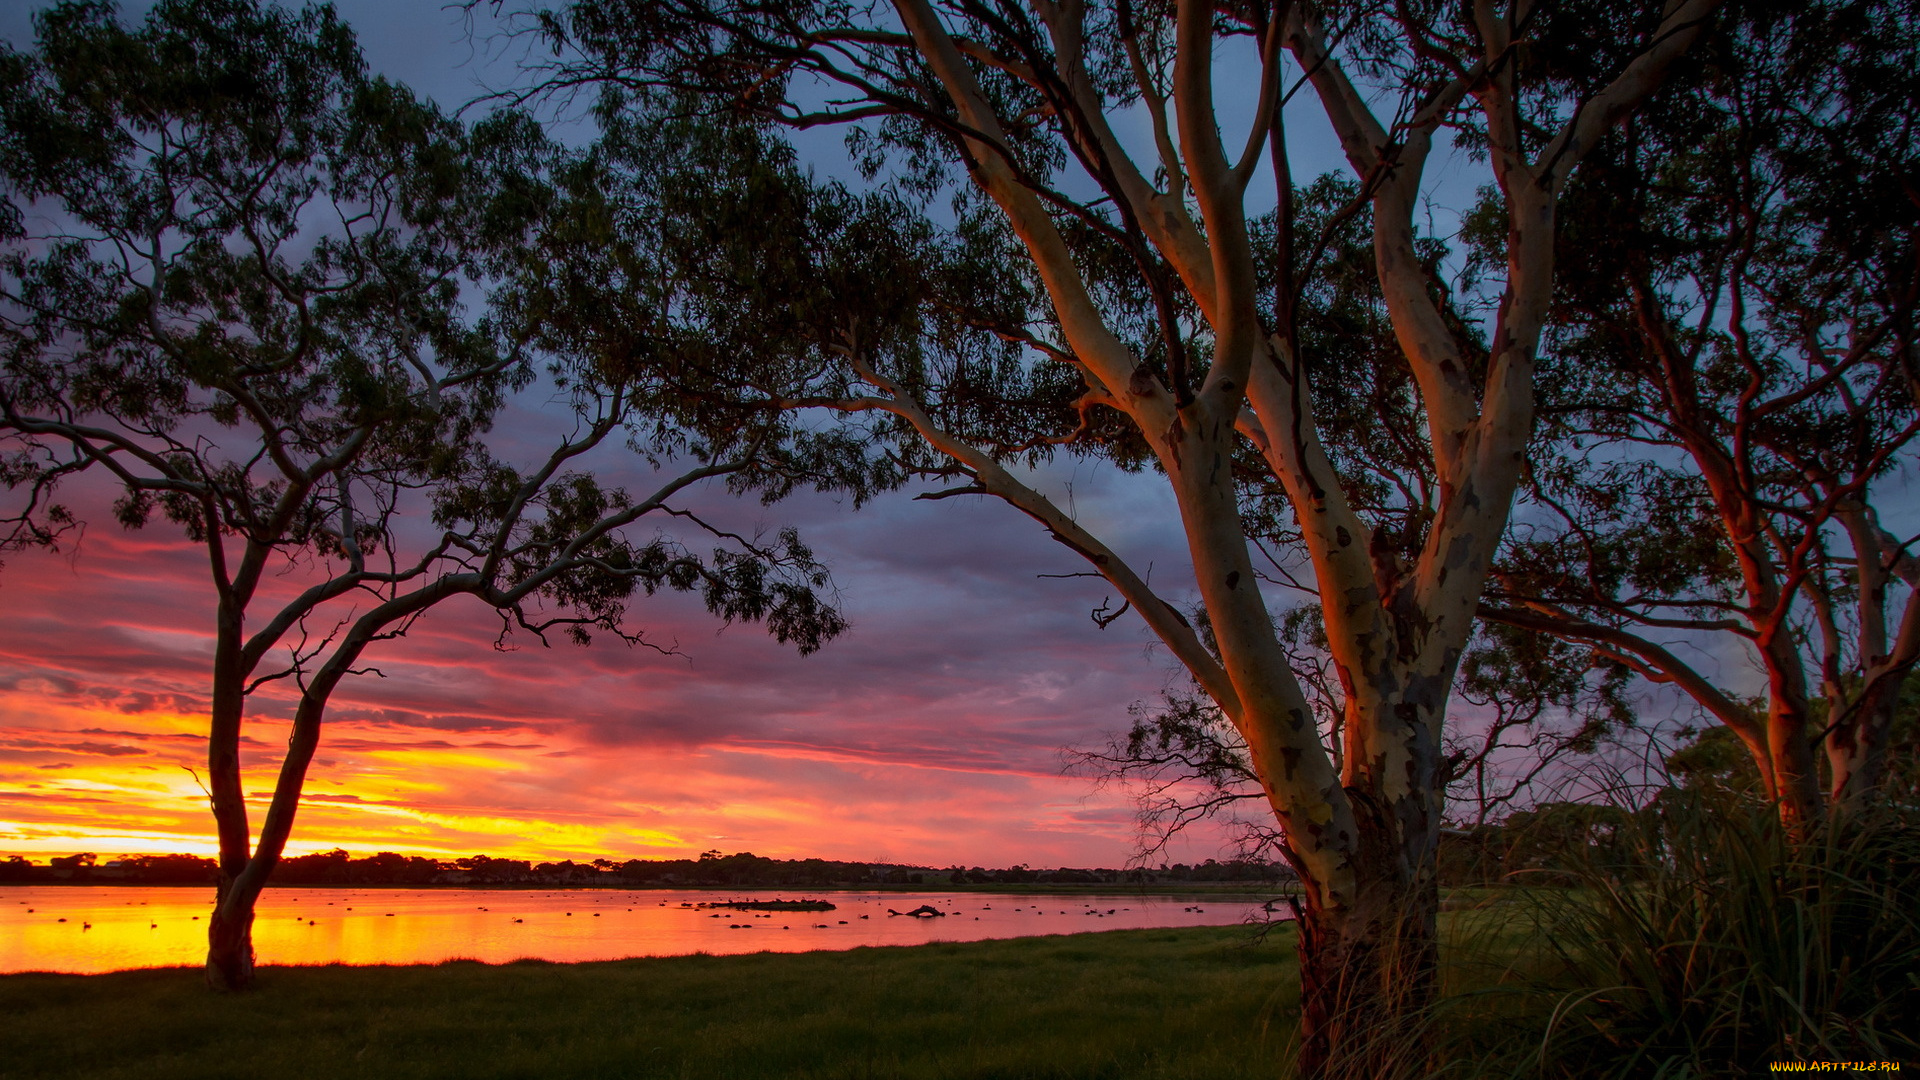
1700	940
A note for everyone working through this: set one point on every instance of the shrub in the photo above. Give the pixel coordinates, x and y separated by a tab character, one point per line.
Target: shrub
1706	941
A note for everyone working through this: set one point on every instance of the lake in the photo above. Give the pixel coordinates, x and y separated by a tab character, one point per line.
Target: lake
88	929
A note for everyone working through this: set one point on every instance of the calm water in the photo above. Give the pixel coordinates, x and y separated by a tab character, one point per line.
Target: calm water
110	929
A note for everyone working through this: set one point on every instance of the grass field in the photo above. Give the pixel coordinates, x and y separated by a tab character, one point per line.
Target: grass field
1205	1003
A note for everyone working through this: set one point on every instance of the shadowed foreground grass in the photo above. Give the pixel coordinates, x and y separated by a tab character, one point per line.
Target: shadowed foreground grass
1204	1003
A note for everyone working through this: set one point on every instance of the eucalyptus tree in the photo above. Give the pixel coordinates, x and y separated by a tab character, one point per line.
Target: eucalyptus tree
1527	708
236	287
1128	272
1725	463
1730	410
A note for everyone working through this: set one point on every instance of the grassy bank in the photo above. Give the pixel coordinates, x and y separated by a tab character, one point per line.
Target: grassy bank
1677	971
1205	1003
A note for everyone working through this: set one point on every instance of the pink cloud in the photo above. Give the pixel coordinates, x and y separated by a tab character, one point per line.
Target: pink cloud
932	732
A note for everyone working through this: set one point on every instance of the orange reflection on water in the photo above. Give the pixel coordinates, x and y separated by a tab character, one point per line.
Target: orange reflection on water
88	929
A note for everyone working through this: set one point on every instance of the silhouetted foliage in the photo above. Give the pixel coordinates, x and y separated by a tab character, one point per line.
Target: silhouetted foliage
236	277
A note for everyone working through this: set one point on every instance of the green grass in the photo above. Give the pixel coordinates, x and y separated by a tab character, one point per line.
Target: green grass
1718	950
1206	1003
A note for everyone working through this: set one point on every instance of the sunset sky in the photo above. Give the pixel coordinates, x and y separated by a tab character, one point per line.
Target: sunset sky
932	733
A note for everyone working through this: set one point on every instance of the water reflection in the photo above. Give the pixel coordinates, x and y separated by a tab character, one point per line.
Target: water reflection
93	929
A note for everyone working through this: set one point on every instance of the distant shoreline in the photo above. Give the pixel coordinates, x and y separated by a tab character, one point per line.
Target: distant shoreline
1233	888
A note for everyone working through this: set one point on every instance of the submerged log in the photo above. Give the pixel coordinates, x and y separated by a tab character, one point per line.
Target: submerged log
771	905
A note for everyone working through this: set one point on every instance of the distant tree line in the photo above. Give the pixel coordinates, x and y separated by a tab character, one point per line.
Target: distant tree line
85	866
711	869
1211	871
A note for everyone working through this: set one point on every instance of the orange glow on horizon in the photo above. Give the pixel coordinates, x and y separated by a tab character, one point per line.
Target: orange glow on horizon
541	754
437	802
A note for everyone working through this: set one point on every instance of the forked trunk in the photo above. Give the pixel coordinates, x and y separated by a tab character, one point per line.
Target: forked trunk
230	940
244	875
230	930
